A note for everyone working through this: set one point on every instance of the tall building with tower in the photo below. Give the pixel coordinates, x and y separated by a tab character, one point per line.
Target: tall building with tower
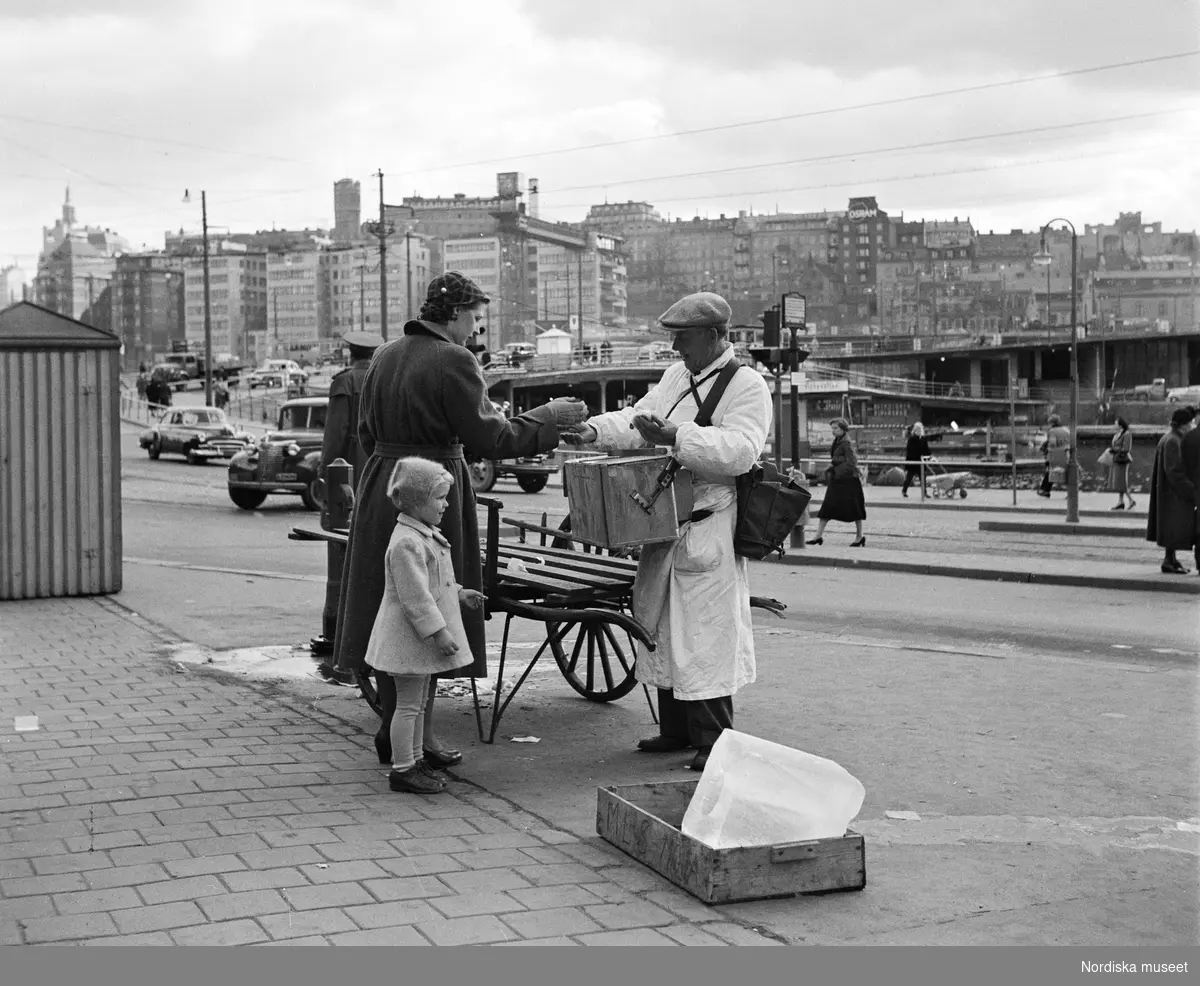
347	210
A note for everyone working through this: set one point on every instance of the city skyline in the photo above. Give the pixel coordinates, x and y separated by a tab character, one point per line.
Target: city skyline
602	108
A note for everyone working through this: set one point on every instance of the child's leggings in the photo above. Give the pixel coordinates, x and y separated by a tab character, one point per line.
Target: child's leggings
409	720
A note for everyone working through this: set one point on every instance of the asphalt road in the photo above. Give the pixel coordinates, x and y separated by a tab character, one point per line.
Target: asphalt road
1045	736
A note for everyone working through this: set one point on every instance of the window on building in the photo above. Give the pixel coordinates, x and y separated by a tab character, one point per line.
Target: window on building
1162	309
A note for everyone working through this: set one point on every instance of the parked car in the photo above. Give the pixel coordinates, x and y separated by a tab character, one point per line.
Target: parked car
659	350
286	460
532	473
285	370
516	353
196	433
1184	395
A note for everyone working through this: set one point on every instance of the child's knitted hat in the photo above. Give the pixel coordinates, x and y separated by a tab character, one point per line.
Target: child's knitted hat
415	481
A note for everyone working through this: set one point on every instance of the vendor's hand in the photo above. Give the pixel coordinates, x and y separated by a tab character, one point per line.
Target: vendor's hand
568	411
582	434
654	429
471	598
444	642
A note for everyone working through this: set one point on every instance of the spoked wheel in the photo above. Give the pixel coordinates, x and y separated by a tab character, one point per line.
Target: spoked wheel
596	658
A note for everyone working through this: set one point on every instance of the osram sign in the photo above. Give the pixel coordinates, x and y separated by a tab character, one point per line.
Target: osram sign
862	209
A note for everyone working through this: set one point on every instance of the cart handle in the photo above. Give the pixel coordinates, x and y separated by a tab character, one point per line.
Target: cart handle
553	614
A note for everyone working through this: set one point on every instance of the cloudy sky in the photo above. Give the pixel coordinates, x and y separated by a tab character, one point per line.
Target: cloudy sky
698	106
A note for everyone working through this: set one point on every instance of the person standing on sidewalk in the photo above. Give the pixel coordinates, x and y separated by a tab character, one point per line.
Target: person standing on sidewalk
694	593
1121	447
1171	521
1057	448
1190	450
424	394
418	631
844	500
916	450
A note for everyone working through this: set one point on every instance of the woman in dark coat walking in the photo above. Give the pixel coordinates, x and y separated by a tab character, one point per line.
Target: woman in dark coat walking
424	395
844	499
915	450
1171	523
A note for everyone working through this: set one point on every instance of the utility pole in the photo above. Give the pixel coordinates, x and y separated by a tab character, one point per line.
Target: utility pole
383	299
408	271
207	306
362	294
275	307
579	260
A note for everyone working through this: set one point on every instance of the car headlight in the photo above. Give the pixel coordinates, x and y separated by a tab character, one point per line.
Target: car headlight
293	451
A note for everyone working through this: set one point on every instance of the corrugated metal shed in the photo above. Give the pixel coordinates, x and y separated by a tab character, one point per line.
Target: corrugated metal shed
60	456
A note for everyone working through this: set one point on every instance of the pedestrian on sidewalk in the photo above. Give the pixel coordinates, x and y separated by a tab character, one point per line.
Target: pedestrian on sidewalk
418	631
1171	522
1190	449
916	450
693	594
1121	448
844	500
425	394
1057	449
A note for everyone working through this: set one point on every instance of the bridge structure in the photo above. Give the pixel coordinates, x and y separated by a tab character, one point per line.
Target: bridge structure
623	377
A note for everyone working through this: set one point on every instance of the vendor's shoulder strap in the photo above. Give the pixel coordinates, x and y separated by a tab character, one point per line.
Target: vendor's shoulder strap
704	417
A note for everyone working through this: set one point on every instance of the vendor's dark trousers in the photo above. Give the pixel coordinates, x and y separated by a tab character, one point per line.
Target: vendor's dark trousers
700	723
911	473
1046	486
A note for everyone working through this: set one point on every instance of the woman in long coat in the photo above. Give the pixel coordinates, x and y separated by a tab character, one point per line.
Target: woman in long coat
844	499
425	395
1171	523
1121	447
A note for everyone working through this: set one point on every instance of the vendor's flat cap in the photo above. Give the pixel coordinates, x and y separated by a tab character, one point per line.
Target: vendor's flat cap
363	340
696	311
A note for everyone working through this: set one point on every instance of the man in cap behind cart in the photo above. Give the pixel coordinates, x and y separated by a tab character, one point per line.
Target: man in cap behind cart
693	594
341	442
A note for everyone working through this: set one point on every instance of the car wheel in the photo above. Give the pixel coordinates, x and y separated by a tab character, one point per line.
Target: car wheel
533	484
247	499
309	495
483	474
962	493
154	449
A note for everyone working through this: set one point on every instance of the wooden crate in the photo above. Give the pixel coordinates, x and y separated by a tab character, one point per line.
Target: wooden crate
603	512
644	821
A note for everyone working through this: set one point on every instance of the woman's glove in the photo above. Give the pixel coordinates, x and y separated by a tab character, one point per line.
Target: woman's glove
568	412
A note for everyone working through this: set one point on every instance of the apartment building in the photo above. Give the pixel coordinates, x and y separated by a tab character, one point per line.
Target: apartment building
237	297
146	297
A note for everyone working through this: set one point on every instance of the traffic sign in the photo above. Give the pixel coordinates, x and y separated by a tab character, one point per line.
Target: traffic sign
794	308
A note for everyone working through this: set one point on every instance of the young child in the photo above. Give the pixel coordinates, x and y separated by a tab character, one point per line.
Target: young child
418	630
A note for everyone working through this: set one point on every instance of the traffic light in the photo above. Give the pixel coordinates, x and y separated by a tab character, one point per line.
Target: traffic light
770	321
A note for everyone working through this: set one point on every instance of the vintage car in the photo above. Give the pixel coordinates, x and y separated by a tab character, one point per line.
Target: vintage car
657	351
277	373
197	433
531	473
286	460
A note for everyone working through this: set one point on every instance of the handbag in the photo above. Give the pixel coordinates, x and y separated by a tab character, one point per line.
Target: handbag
1106	458
768	506
1122	457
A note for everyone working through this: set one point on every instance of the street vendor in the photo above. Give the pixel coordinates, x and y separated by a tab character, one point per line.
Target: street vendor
694	593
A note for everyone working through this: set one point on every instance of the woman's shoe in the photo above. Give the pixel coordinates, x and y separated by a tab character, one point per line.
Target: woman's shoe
441	759
904	493
383	747
860	543
1119	506
415	780
1131	504
816	541
1043	493
1173	568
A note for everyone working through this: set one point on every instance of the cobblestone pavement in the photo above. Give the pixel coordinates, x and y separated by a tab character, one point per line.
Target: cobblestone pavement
155	805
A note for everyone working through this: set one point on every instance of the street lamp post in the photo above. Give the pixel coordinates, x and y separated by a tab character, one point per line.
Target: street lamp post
1043	257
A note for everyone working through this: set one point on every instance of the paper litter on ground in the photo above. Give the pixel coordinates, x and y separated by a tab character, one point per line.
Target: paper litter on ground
904	816
25	724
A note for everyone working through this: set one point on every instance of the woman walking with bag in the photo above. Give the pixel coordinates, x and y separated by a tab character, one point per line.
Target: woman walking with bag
844	499
1121	448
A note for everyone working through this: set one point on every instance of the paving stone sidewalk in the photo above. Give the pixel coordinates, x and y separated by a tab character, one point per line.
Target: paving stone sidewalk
159	806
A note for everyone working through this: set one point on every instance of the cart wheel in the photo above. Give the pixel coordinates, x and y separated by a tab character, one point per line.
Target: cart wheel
593	660
366	685
962	493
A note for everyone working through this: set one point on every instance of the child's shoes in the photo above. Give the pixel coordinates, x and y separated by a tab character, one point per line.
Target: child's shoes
416	780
